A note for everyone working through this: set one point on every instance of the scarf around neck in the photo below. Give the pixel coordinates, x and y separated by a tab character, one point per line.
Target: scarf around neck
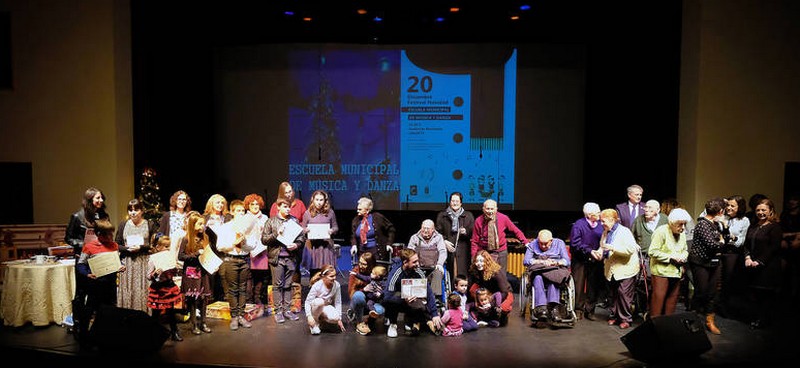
454	217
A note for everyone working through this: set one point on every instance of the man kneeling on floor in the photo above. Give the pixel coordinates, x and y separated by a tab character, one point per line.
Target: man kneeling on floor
416	309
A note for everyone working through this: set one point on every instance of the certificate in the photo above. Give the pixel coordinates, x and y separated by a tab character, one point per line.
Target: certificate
319	231
226	237
291	229
105	263
134	241
209	260
257	248
164	260
414	287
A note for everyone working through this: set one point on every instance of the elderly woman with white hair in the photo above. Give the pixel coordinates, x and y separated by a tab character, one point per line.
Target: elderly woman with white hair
620	253
668	252
371	232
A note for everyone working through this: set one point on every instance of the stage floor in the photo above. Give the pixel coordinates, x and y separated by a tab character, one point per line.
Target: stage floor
266	344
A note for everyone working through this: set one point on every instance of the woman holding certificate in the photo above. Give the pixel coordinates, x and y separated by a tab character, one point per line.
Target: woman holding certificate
99	263
196	281
319	223
133	237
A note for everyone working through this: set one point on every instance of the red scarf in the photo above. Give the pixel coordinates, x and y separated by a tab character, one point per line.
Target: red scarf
364	229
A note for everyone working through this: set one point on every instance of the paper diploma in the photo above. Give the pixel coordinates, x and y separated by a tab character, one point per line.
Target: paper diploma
105	263
319	231
226	236
413	287
209	260
164	260
134	241
257	248
291	229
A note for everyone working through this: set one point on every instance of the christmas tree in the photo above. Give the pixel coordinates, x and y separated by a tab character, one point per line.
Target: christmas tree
149	195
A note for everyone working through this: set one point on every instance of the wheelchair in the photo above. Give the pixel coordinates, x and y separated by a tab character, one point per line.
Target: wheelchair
566	304
447	288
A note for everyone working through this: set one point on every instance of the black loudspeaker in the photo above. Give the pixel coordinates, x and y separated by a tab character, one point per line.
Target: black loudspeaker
127	330
673	337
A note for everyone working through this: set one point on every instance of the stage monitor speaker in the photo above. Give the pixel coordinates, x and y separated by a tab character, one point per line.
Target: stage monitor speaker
127	330
673	337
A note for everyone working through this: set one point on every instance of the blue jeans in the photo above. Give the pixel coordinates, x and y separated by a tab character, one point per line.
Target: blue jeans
358	302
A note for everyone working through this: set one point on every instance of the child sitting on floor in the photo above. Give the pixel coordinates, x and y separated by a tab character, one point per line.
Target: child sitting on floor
453	318
486	309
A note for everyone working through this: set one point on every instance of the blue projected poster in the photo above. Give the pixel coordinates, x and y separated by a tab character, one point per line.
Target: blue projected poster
372	123
438	153
344	129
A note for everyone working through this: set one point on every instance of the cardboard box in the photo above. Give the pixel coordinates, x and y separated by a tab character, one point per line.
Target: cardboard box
253	311
222	310
219	310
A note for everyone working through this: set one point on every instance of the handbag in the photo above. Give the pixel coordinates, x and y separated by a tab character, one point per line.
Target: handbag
557	275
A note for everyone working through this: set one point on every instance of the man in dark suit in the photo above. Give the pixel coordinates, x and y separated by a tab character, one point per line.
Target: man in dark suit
632	207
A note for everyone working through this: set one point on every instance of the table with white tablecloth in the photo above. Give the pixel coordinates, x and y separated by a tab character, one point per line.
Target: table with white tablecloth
37	293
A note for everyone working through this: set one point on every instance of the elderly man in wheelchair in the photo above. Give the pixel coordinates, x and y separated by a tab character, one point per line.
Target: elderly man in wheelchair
430	247
547	261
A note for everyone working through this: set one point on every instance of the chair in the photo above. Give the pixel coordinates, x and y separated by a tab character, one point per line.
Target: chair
567	301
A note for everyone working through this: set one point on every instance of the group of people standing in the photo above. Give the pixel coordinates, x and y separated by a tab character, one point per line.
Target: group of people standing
611	250
730	260
245	271
187	235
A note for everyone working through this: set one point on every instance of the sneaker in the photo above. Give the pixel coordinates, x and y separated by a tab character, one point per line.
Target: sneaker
315	330
351	315
279	318
494	323
407	328
624	325
234	323
363	329
482	323
291	315
392	331
415	329
244	323
374	314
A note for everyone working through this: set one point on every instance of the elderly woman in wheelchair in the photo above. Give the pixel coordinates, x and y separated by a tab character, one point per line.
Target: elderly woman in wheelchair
547	261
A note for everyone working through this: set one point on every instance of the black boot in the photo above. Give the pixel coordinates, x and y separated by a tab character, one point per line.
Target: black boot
193	321
203	325
555	316
539	313
174	335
